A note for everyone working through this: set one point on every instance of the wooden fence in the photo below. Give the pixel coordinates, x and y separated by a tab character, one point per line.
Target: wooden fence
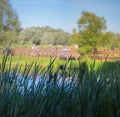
59	53
106	54
62	52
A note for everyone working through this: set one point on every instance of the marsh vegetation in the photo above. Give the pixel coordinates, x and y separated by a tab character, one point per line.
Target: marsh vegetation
43	92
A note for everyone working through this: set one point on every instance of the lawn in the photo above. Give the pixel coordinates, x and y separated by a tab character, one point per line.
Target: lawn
42	61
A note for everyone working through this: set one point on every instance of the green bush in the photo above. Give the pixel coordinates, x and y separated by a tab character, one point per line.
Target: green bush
36	41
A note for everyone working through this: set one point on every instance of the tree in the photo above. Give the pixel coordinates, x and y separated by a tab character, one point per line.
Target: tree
90	29
75	38
9	23
91	23
107	39
36	41
43	36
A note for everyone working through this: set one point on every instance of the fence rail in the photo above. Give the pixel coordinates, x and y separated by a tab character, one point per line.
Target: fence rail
106	54
59	53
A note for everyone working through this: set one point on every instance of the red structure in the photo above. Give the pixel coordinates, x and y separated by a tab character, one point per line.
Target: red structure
106	54
60	53
63	52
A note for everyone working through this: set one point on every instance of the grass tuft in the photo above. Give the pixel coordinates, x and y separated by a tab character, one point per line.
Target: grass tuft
44	92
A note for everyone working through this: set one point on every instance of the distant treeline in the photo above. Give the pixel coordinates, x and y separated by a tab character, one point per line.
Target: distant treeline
43	35
91	32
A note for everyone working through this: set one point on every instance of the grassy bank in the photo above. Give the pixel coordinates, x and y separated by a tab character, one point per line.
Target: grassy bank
43	61
36	92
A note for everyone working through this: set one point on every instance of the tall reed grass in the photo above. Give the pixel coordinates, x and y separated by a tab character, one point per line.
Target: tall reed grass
44	92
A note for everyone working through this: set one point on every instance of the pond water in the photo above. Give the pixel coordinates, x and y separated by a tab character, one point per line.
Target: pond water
43	80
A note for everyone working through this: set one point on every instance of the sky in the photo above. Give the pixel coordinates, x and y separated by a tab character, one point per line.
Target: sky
64	14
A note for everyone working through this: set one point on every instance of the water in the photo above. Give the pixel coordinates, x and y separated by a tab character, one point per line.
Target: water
28	83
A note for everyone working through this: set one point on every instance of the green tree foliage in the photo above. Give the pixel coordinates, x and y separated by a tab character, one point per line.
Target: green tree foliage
91	24
106	39
75	38
43	35
90	31
110	39
115	40
36	41
9	24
